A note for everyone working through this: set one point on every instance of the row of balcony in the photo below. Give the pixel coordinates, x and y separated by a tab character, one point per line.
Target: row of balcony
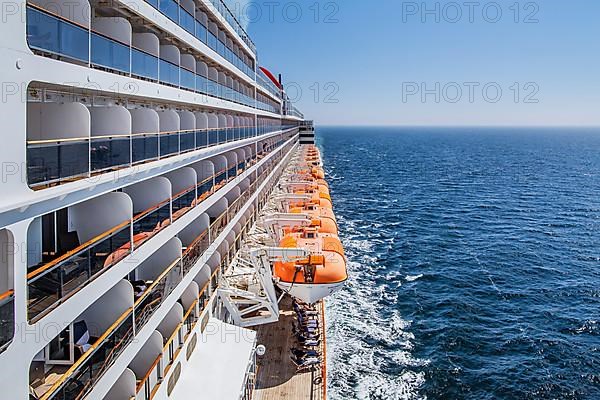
51	33
290	109
267	84
266	104
57	160
233	21
148	287
185	18
156	204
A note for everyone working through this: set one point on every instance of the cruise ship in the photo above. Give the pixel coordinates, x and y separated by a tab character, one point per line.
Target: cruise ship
166	228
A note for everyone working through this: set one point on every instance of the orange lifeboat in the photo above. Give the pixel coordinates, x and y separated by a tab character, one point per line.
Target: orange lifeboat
316	276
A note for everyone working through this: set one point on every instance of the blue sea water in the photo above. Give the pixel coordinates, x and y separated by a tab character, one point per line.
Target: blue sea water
474	257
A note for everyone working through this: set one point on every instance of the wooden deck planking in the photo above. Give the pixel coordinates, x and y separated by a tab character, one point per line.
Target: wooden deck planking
277	378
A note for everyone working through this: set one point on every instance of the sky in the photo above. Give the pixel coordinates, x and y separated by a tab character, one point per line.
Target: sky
395	62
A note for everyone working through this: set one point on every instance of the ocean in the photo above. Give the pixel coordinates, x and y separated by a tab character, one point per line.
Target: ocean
474	257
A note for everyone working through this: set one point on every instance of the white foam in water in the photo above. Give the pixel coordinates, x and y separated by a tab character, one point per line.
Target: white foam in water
364	340
412	278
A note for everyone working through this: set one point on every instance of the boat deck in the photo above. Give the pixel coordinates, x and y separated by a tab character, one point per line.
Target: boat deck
277	377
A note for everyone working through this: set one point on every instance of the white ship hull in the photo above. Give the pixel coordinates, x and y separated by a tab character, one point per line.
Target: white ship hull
308	293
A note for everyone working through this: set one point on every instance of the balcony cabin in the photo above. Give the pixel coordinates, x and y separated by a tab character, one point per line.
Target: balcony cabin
156	356
230	128
59	29
154	279
213	82
170	124
201	25
218	217
183	190
111	42
222	36
241	160
145	127
7	293
201	77
220	163
186	15
169	62
187	135
170	329
151	207
214	264
222	131
232	164
58	140
147	367
201	130
228	247
110	136
73	361
188	72
124	387
213	33
213	129
224	93
68	248
205	176
145	51
195	241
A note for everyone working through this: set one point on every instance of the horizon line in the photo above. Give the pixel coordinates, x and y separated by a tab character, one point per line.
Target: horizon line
454	126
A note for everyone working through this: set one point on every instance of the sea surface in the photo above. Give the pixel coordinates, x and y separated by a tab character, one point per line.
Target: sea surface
474	257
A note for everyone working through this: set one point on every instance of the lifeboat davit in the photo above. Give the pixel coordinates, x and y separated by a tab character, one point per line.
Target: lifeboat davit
317	276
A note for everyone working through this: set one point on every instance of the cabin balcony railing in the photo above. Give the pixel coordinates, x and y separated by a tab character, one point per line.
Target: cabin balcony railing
144	147
188	79
184	200
186	20
50	161
79	379
110	53
194	251
205	188
152	220
143	64
168	72
169	144
50	283
110	152
232	20
7	318
155	374
56	35
170	8
217	226
157	292
56	161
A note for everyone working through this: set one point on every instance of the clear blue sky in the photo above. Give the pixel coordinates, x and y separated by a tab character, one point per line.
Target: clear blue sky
375	57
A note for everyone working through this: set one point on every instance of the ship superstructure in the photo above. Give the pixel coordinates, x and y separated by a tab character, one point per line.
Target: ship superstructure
141	142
